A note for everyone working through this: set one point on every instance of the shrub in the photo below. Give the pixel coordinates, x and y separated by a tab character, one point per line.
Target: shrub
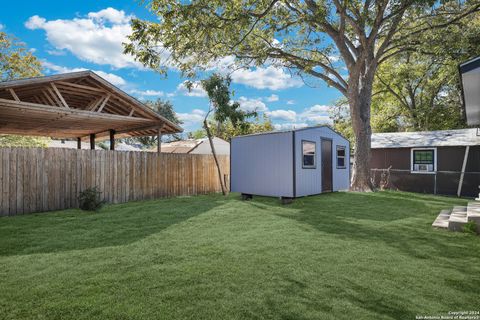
470	227
90	199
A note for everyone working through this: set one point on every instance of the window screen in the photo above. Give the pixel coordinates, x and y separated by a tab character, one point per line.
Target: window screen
423	157
341	158
308	150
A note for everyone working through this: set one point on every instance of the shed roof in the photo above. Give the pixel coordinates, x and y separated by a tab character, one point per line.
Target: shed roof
75	105
290	130
443	138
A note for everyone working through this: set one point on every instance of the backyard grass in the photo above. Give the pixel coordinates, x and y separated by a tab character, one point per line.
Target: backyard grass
333	256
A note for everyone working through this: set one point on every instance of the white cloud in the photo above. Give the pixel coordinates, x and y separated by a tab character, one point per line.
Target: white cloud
147	93
95	38
193	118
2	26
110	14
290	102
110	77
56	52
316	114
286	115
195	91
271	77
272	98
250	105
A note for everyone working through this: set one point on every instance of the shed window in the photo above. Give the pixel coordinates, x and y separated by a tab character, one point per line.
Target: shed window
423	160
341	158
308	152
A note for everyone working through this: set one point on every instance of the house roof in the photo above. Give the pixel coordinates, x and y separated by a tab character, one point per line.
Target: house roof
73	105
68	144
183	146
444	138
470	84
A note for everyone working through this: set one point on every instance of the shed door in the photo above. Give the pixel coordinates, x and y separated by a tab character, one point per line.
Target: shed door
326	165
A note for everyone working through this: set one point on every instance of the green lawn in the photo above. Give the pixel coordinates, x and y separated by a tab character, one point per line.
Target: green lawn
333	256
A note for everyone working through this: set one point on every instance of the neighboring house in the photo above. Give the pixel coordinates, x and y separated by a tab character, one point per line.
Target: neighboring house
86	146
290	164
196	146
429	162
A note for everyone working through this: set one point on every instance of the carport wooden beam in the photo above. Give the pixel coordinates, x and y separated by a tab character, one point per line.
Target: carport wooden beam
76	105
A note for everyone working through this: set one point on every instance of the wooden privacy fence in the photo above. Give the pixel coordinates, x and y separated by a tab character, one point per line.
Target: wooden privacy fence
37	179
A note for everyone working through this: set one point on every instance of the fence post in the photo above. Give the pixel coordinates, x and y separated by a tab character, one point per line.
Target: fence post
435	183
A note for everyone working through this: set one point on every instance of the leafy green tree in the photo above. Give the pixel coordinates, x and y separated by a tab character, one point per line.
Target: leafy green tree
306	36
223	110
9	141
419	89
228	130
163	108
16	62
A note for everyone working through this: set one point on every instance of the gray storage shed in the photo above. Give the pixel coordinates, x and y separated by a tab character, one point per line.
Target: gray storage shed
290	164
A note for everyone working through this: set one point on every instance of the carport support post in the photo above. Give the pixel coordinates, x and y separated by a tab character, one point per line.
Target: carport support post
92	141
112	139
159	140
79	143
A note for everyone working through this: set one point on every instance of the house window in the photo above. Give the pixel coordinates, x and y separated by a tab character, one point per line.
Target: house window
308	152
341	158
424	160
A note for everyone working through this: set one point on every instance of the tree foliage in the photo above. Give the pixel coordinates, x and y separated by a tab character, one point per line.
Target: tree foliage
222	107
163	108
228	131
419	89
16	60
307	36
8	141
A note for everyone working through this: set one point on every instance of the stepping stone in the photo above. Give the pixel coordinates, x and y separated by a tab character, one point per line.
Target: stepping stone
458	218
442	220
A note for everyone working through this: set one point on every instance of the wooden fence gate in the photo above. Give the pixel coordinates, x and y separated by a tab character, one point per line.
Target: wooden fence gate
38	179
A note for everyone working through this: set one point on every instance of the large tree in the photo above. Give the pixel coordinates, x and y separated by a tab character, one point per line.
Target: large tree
420	89
163	108
307	36
16	62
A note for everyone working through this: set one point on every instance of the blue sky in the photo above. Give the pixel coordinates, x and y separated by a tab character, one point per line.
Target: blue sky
74	35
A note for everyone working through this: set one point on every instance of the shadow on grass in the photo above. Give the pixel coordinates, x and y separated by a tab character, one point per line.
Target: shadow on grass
113	225
401	221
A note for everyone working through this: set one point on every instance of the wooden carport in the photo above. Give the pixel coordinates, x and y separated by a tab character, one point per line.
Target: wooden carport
80	105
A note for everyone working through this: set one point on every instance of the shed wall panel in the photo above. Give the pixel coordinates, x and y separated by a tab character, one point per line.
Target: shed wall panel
309	181
263	164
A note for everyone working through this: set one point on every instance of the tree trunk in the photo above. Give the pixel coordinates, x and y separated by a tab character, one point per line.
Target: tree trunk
359	99
209	135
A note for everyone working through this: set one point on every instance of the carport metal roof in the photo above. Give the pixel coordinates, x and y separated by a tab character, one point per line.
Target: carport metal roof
75	105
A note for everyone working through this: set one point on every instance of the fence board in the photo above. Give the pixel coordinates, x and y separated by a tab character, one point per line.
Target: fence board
37	179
